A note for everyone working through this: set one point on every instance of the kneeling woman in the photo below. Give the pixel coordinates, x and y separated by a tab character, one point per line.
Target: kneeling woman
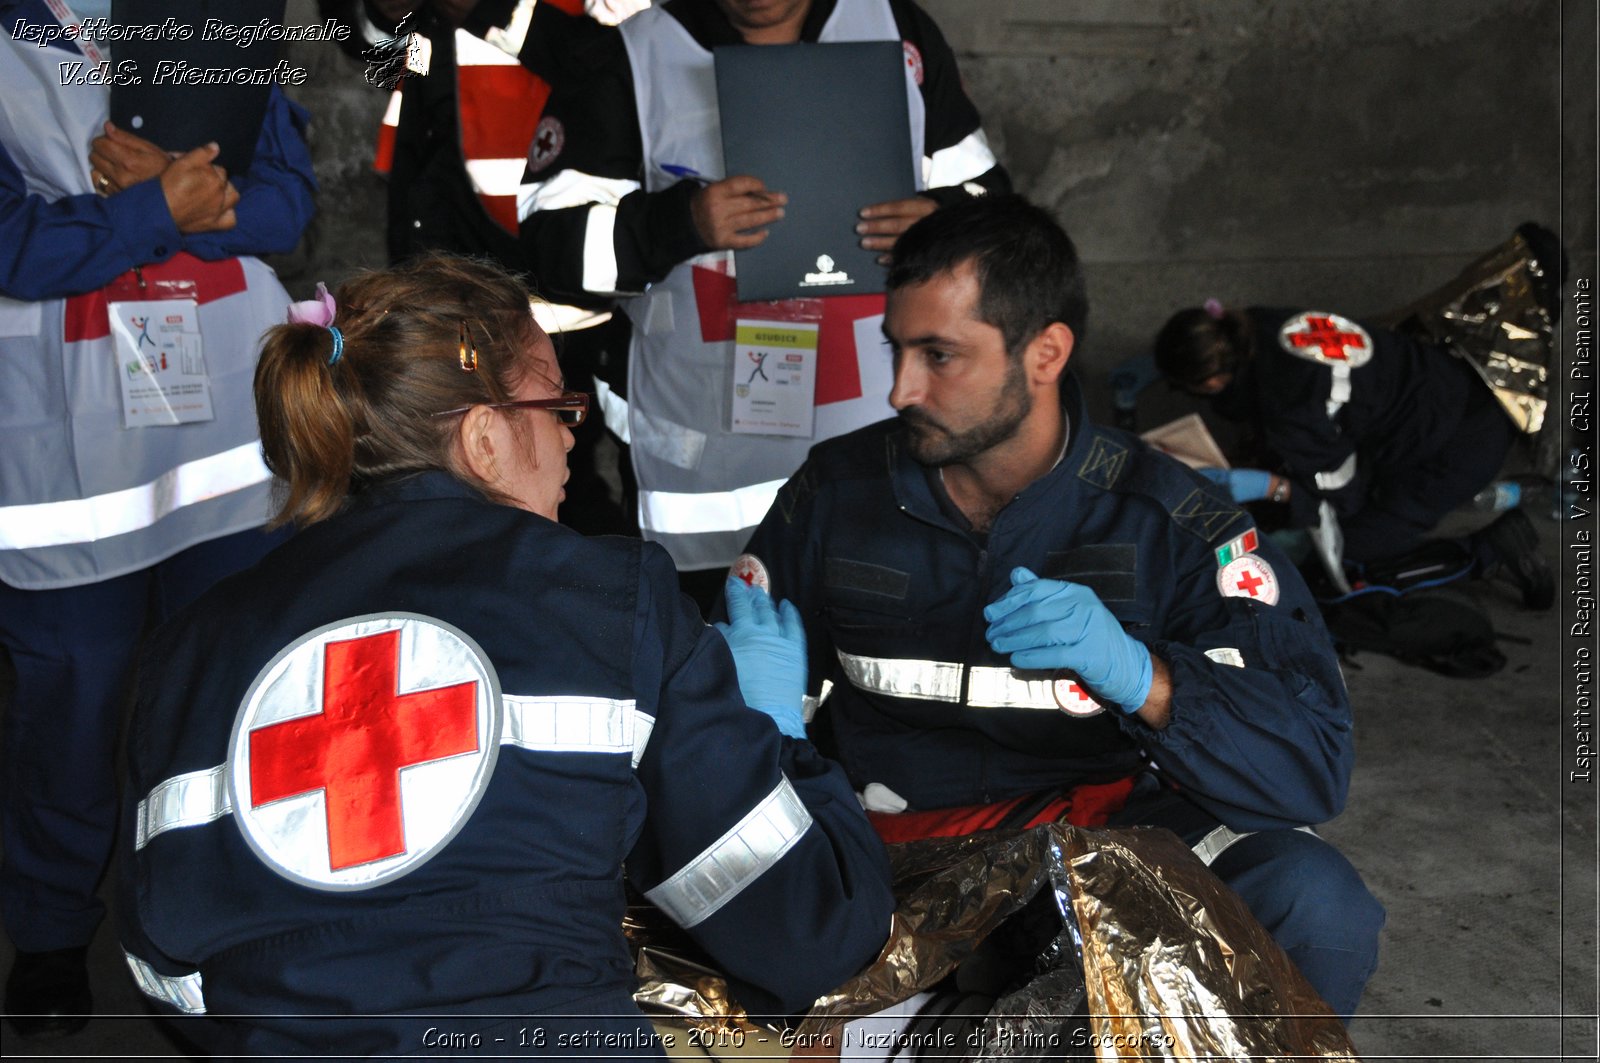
394	772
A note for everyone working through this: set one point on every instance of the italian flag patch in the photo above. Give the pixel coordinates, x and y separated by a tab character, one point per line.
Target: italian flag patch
1236	548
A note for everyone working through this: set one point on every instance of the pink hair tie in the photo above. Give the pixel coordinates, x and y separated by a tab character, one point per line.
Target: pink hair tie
318	311
1213	308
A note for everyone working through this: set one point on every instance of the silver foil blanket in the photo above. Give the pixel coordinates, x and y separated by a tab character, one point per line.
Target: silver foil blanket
1496	316
1145	946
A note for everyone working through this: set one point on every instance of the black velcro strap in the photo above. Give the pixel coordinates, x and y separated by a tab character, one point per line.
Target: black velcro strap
1109	569
841	573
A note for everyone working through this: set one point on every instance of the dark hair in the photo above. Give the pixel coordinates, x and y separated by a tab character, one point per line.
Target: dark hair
326	430
1028	271
1194	346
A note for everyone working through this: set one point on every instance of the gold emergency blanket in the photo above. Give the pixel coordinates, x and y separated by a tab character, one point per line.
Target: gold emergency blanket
1492	317
1171	961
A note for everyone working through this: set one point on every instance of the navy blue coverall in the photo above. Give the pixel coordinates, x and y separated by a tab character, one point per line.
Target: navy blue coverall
892	582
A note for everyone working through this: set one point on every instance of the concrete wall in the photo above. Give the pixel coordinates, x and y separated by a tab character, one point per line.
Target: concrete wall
1347	153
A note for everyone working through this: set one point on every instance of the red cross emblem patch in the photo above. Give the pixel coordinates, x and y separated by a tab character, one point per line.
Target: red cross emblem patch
1248	577
748	567
363	748
913	61
1074	699
1326	338
548	140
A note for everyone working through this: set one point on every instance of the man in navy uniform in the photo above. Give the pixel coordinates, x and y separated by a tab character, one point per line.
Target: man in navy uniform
1022	615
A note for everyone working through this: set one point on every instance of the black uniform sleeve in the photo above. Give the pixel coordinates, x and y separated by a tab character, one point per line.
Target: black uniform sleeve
589	229
753	842
1261	728
952	132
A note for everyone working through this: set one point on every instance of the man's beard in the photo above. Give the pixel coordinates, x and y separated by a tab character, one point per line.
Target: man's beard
934	445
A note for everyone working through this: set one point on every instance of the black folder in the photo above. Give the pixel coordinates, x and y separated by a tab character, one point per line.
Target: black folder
828	124
179	116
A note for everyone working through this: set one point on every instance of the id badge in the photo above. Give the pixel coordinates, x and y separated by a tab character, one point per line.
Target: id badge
160	356
775	370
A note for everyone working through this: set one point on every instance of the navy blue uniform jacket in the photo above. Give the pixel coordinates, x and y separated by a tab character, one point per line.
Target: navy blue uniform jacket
883	573
622	740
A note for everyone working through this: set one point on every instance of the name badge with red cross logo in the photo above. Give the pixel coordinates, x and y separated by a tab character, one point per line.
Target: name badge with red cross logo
363	748
1326	338
1248	577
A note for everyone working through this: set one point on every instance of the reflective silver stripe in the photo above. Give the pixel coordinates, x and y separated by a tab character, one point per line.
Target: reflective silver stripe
183	992
810	703
729	864
1000	688
599	253
556	318
569	723
496	177
1221	839
561	723
1328	538
928	680
1226	655
643	725
509	40
1339	389
571	188
1334	479
474	51
959	162
614	410
189	800
987	687
689	513
87	520
391	114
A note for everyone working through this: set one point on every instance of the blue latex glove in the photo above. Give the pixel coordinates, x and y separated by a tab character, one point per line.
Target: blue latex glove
1047	623
769	650
1245	485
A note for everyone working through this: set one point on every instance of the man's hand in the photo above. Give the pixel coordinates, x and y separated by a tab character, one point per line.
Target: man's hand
769	652
199	195
882	223
730	214
119	159
1047	623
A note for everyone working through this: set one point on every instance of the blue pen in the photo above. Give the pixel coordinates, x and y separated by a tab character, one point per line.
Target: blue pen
685	171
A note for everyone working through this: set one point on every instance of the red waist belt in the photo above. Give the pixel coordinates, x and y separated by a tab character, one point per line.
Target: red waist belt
1090	805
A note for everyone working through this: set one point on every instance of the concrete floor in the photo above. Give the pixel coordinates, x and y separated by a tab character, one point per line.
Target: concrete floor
1460	817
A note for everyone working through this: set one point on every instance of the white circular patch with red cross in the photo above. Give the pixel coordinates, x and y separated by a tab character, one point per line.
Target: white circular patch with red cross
1248	577
748	567
548	139
1074	699
913	61
363	748
1326	338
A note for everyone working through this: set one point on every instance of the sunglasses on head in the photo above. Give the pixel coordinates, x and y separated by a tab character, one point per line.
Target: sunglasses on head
570	408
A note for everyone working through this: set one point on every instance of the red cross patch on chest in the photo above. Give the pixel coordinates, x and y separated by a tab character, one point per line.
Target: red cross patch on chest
1073	699
1326	338
363	748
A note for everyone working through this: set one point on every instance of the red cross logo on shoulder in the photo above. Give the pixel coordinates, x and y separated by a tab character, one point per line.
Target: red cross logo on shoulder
548	140
1326	338
387	726
1248	577
1073	699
